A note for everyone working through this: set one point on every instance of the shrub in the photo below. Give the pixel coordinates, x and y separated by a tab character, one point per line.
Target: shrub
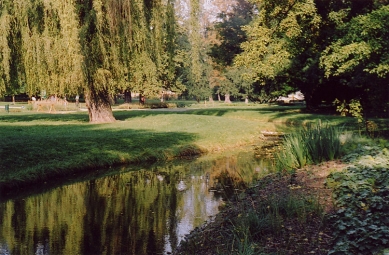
314	143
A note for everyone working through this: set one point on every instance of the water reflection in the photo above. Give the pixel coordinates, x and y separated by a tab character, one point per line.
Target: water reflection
147	211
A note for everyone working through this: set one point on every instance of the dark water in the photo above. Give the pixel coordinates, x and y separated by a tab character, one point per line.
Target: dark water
147	211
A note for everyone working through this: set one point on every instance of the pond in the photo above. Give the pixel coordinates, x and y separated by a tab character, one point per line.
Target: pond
142	211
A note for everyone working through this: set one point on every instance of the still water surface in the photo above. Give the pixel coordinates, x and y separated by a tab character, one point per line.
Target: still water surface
148	211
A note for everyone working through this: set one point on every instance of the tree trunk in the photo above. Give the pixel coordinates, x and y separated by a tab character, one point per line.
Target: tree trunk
99	107
127	96
227	98
142	99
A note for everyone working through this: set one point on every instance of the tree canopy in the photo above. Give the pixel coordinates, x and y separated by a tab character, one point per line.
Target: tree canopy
93	47
259	49
360	55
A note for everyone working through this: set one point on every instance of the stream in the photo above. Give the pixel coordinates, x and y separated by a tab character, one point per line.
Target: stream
146	210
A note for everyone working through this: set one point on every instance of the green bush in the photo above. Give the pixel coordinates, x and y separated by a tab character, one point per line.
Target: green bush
158	105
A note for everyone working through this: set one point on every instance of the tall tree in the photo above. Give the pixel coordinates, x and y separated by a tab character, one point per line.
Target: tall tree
308	73
226	45
11	70
229	33
197	73
282	31
360	56
94	47
94	37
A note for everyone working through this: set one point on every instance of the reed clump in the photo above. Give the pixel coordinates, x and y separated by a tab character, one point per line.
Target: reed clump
312	144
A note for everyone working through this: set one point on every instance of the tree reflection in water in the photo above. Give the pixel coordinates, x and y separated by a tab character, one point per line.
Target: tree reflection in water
137	212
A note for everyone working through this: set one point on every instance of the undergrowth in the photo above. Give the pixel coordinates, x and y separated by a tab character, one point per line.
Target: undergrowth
278	217
360	222
361	193
279	223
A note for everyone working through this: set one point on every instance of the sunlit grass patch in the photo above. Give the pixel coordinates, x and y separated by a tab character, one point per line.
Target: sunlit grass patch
54	144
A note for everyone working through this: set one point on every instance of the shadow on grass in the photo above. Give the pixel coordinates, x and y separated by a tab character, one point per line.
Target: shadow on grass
38	154
274	113
290	116
33	116
293	116
217	111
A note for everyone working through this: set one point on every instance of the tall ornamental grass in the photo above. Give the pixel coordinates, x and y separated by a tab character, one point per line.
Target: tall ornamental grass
312	144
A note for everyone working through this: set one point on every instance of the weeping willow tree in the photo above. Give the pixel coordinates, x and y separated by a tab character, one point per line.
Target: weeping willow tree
5	20
94	47
164	44
11	70
198	69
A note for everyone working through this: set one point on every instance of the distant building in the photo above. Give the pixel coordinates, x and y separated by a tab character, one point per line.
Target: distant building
296	97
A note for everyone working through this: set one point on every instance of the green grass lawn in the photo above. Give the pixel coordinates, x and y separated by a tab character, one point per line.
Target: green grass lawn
37	146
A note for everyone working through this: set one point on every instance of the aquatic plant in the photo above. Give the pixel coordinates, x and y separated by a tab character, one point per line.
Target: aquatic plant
313	143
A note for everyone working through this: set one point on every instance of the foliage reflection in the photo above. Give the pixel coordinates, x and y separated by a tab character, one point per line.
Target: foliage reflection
141	212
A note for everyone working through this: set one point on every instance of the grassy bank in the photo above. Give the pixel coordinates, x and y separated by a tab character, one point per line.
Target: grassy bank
37	146
335	207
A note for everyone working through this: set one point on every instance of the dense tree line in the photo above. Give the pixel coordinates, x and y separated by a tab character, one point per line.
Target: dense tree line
256	49
327	49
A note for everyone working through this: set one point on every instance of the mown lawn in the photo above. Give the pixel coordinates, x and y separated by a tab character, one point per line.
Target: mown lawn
38	146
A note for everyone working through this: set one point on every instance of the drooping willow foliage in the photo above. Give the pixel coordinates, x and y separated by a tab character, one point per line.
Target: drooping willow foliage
95	47
198	74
